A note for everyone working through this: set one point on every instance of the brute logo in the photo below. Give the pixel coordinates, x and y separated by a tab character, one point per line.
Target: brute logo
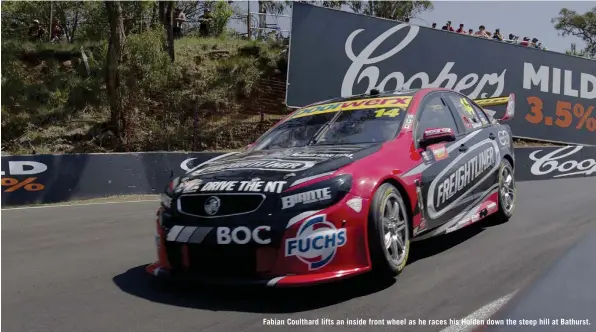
316	242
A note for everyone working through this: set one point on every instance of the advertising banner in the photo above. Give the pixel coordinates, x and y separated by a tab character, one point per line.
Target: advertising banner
58	178
555	93
549	163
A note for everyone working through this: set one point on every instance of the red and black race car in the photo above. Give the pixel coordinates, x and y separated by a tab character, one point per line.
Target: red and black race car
339	188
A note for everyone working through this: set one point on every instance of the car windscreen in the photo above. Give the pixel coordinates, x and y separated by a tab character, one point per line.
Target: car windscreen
353	122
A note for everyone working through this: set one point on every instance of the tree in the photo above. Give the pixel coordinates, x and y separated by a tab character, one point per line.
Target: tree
169	25
393	10
569	22
269	7
114	59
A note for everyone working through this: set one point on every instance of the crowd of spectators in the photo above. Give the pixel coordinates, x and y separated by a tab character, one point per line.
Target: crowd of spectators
496	35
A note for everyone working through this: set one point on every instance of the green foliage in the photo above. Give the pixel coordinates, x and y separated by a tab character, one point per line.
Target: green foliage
394	10
221	14
569	22
51	105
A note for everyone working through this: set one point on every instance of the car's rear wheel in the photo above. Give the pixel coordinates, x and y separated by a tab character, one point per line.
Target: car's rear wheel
507	192
389	231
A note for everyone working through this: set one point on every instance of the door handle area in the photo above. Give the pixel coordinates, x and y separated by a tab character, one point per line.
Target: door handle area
492	136
463	148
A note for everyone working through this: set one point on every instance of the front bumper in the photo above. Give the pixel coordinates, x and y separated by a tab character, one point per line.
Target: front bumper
276	266
158	270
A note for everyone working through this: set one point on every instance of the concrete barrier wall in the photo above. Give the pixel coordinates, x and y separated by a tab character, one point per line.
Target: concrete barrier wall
58	178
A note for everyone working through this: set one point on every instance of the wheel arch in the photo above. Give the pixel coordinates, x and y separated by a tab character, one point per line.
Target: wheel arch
509	158
404	194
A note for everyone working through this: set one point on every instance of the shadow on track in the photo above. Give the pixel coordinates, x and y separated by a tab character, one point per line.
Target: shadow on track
246	299
436	245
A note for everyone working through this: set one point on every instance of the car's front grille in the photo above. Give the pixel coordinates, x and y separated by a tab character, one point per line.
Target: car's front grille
227	204
223	261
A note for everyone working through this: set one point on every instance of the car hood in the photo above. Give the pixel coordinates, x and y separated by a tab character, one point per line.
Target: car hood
288	164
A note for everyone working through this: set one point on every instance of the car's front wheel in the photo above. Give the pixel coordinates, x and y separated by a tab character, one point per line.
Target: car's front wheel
389	231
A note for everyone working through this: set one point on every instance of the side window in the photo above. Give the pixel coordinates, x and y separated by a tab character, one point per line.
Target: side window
465	110
435	114
483	118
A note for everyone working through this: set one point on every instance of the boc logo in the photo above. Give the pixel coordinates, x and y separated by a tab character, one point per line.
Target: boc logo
316	242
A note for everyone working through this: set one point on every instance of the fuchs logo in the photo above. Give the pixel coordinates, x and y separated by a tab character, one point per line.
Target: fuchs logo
549	163
362	68
316	242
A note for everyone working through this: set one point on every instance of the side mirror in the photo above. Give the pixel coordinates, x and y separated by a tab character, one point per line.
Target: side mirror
510	110
436	135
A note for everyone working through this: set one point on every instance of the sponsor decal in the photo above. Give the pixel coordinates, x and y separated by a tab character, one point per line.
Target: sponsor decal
188	165
16	171
504	139
308	197
354	105
408	121
559	81
439	151
263	165
437	132
245	186
316	242
189	186
363	69
427	157
453	185
212	205
355	204
549	163
321	155
491	207
242	235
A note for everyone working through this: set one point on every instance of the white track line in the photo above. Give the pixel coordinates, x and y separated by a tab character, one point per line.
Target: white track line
480	315
84	204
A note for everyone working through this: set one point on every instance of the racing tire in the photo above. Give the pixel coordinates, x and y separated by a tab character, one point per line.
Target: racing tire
388	232
507	192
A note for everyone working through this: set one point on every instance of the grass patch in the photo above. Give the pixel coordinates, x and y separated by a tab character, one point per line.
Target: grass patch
54	102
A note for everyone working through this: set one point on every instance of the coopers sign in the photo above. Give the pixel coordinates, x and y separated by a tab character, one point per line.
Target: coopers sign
556	93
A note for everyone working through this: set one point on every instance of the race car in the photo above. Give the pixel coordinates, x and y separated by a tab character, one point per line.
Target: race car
339	188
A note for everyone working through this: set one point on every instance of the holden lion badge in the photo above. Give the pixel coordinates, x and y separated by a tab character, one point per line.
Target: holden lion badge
212	205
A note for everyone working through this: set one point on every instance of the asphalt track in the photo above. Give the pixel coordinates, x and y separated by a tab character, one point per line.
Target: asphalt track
80	268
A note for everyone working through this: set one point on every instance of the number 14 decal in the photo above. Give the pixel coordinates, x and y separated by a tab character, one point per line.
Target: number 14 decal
387	112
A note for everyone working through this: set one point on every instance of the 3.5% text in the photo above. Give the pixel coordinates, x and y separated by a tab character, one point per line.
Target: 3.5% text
566	112
26	184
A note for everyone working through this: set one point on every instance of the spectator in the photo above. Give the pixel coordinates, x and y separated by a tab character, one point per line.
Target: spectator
534	42
205	22
448	27
497	35
461	29
470	32
434	25
481	32
36	32
407	20
57	32
179	18
525	41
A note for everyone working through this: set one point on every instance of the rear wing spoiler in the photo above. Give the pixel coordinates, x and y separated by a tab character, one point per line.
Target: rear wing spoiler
497	101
